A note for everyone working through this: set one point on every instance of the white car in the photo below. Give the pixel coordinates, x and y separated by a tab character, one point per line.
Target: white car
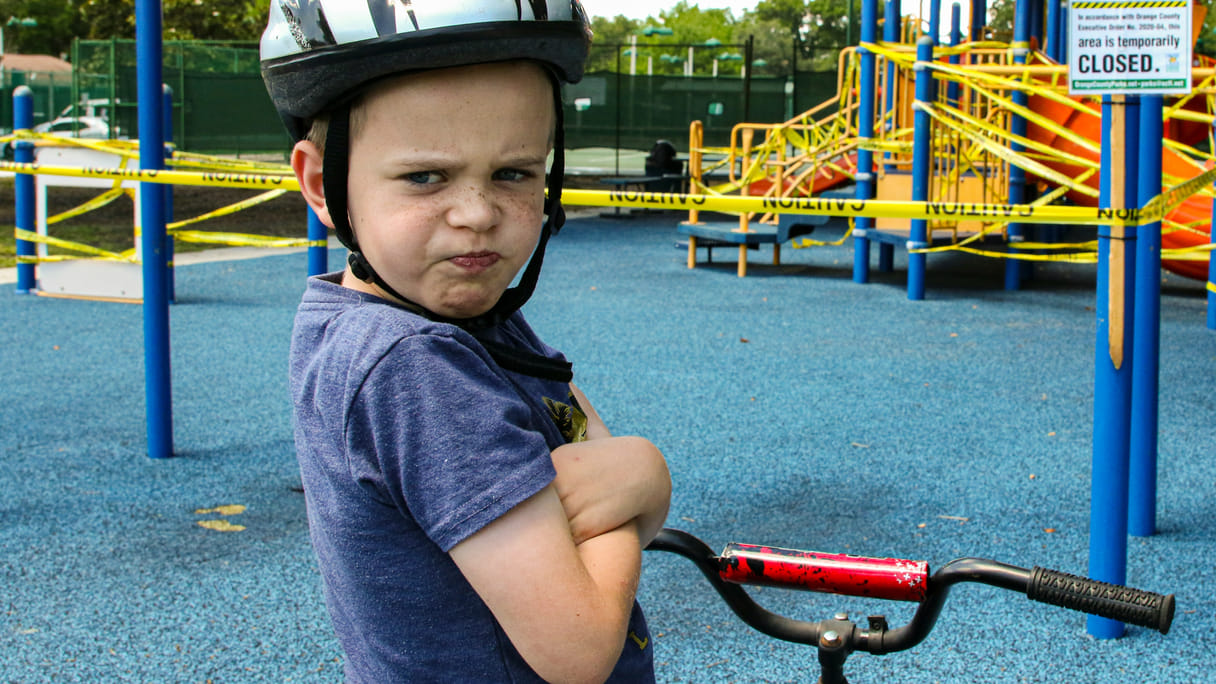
76	127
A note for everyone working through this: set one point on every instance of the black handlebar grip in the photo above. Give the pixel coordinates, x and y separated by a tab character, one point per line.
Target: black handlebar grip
1124	604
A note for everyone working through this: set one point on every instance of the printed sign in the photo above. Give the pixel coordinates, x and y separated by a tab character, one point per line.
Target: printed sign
1129	47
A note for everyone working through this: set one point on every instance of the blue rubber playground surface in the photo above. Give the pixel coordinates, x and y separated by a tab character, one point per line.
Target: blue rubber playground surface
796	408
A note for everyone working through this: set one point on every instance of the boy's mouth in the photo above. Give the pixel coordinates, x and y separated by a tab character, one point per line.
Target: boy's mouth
476	262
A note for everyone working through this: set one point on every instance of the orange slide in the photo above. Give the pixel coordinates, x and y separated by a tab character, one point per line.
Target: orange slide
825	178
1195	212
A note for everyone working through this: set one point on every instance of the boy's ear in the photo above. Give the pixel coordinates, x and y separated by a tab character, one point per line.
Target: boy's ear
306	161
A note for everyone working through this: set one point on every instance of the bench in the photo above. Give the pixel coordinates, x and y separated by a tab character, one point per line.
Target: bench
727	234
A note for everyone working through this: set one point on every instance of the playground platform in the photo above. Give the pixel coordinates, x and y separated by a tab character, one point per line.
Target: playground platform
795	407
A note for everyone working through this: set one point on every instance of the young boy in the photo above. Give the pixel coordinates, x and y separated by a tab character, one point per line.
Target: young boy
473	518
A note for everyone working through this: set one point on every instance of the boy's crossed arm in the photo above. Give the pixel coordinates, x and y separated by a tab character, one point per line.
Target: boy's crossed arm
560	570
608	481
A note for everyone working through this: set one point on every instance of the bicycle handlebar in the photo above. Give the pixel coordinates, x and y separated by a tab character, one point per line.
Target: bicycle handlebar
895	579
1124	604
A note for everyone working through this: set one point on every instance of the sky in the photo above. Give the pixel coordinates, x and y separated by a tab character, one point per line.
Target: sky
640	9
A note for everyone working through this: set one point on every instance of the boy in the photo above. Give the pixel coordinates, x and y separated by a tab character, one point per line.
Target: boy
473	518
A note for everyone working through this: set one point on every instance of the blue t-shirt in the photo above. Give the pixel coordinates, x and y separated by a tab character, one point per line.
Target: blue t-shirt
410	439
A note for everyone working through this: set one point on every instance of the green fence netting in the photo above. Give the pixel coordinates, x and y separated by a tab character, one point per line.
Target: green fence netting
220	105
52	92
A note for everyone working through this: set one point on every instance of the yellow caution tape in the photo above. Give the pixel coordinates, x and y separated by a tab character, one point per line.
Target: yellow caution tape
230	209
244	239
96	252
940	211
1007	155
1156	208
96	203
221	179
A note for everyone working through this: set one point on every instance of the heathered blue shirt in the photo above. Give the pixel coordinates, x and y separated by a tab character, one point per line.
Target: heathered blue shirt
410	439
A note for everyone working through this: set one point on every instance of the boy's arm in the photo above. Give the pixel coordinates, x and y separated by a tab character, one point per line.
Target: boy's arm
607	481
565	607
604	483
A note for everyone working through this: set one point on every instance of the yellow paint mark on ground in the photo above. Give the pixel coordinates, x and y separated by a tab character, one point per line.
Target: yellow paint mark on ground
220	525
227	509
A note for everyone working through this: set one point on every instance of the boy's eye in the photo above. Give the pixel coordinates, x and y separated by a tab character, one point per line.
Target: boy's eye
423	177
512	175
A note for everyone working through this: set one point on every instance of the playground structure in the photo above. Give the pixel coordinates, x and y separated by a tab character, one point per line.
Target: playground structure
1002	131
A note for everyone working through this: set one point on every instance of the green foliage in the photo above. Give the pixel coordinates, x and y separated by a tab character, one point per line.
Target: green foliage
59	22
771	43
1206	45
1000	20
773	27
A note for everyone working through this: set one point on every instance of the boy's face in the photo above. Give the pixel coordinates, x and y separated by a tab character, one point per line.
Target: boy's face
447	181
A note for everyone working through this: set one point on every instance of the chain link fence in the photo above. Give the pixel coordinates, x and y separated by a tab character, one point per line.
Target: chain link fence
220	105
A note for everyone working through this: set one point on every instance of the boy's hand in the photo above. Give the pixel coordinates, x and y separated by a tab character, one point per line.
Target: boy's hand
605	483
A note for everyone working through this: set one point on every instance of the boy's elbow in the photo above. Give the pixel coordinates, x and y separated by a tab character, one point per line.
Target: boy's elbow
580	662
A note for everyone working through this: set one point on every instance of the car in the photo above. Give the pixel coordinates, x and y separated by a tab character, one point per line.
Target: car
76	127
90	127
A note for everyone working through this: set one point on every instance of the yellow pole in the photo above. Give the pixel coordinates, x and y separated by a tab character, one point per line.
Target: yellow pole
696	136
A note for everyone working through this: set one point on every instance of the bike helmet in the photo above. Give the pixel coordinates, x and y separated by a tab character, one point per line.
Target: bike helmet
318	55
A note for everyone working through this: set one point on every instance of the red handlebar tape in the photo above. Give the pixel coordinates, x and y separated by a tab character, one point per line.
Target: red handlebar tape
832	573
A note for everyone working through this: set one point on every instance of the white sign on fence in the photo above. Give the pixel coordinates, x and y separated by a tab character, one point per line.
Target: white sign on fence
1129	47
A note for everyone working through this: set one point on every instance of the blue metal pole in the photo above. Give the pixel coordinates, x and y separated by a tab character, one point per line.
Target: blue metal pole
935	21
922	153
1212	266
318	251
1017	127
979	18
956	37
157	387
865	132
892	21
23	187
1052	8
1212	276
167	188
1112	372
1062	52
1142	474
892	32
1036	22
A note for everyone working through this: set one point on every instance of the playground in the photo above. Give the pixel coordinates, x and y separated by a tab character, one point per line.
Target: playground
796	408
969	392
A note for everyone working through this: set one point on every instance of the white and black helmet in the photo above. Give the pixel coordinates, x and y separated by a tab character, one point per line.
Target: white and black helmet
314	53
317	55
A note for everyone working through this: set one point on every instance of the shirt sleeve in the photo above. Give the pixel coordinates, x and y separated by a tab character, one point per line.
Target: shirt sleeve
438	431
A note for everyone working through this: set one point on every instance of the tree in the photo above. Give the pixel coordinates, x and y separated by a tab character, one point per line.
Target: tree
689	25
57	22
1206	45
692	25
771	44
1000	20
606	34
821	27
182	19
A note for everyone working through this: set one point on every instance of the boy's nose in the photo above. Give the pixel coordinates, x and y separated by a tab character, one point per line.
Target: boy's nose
473	208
